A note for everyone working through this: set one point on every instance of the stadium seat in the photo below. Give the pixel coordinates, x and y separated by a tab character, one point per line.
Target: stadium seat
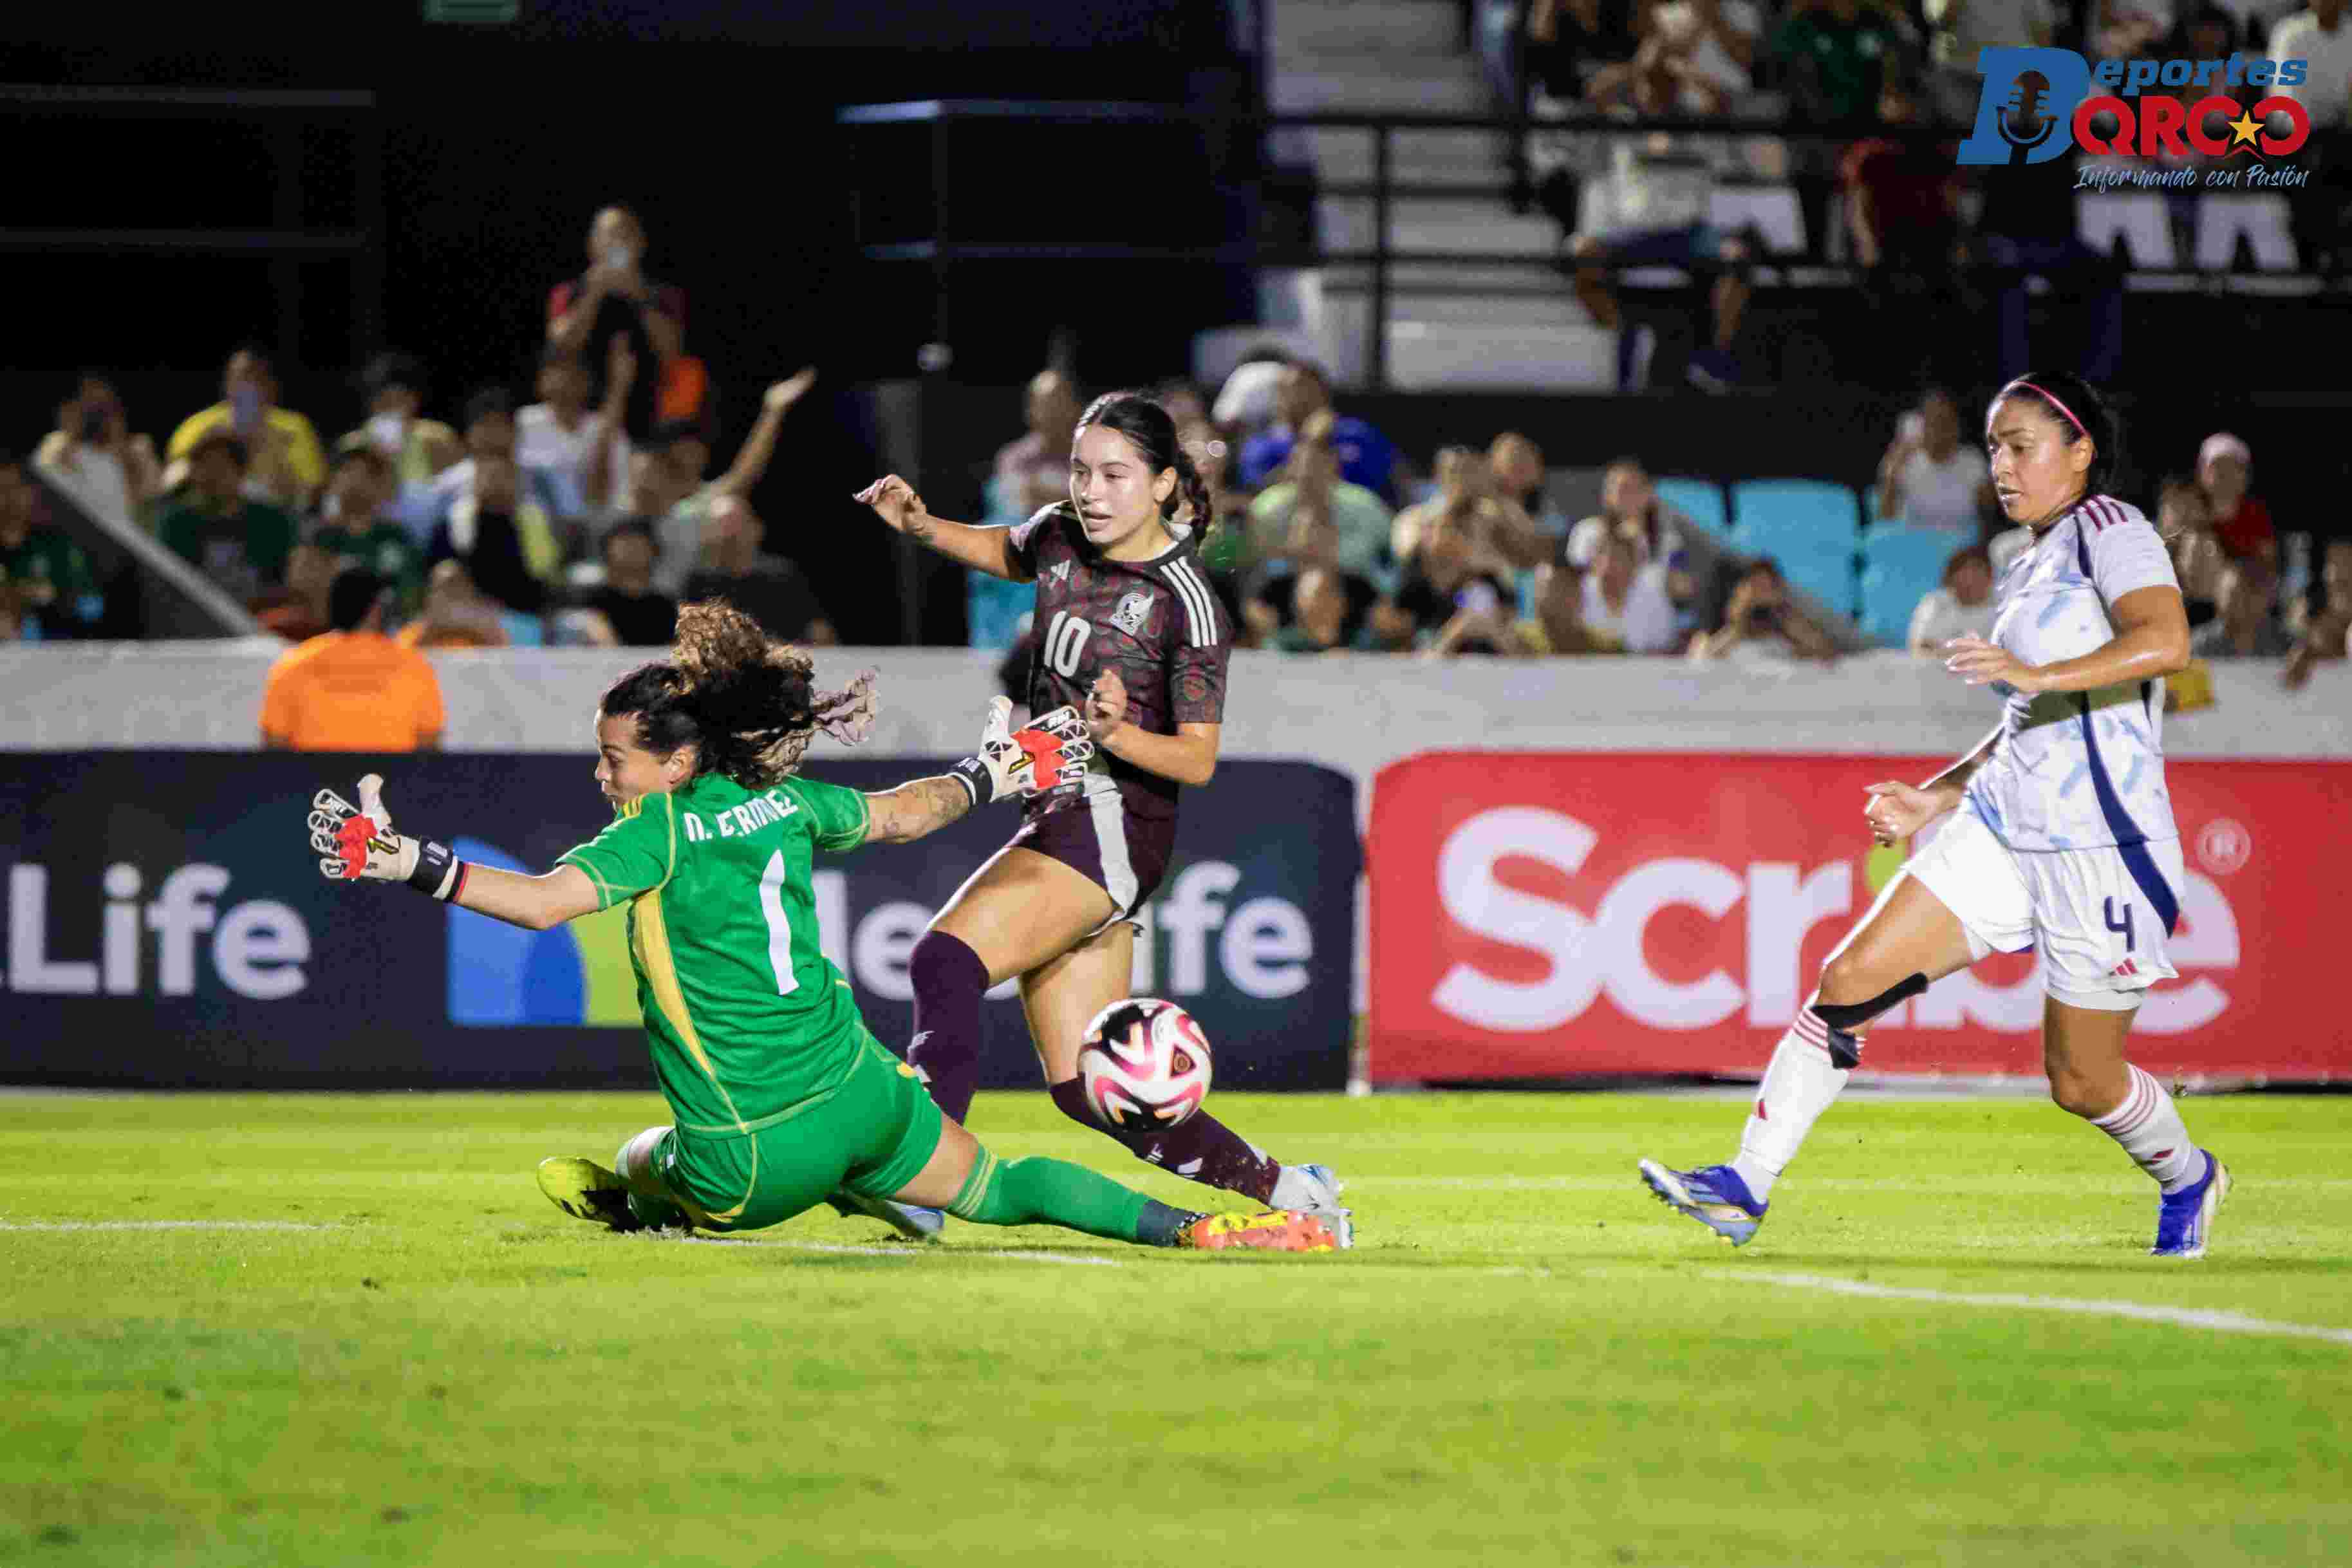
1890	591
1825	572
1911	548
2138	216
2260	217
1777	516
1701	500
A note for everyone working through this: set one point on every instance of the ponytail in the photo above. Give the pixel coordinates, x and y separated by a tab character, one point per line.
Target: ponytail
747	702
1192	488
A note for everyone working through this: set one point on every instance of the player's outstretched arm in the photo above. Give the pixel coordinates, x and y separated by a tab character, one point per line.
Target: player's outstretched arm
988	550
1041	755
358	844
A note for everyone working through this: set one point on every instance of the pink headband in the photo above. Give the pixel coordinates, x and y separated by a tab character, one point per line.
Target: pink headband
2061	407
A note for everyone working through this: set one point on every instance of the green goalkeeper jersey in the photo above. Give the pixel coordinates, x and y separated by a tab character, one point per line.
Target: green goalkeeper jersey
748	1020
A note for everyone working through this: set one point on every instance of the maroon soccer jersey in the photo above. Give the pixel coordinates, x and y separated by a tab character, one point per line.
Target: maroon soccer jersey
1157	622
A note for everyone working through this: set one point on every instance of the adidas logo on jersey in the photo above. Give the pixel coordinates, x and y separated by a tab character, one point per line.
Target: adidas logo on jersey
1060	574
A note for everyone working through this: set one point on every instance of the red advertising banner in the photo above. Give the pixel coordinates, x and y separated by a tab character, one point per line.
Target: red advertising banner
1553	914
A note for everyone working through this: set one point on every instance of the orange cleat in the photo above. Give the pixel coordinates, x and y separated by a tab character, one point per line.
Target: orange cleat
1271	1230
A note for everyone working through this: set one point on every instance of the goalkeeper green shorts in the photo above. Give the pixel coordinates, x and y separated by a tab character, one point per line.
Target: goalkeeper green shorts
873	1135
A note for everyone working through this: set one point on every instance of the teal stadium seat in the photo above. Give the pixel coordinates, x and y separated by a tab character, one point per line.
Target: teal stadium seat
1701	500
1826	574
1900	566
1783	516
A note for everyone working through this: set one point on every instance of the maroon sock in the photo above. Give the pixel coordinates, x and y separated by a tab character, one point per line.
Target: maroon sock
949	980
1200	1147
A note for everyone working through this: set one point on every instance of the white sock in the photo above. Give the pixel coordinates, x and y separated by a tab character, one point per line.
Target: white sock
2149	1125
1797	1087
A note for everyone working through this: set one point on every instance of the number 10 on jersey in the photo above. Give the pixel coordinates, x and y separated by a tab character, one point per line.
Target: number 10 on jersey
1065	643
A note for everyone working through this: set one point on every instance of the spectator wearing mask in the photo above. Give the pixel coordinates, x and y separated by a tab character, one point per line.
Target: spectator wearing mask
2241	520
417	448
1366	457
455	615
1962	607
355	526
2328	635
2186	523
307	607
1929	478
1626	607
1651	208
46	587
1033	469
683	529
614	298
1447	573
640	614
768	588
1309	484
284	465
1630	506
238	544
1761	626
555	441
353	688
93	457
2245	628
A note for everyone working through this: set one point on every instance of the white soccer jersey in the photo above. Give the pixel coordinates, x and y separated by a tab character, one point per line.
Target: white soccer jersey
2076	770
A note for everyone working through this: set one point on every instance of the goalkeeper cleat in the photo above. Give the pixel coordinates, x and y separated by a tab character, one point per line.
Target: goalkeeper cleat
1271	1230
1313	1189
910	1220
585	1190
2184	1219
1713	1194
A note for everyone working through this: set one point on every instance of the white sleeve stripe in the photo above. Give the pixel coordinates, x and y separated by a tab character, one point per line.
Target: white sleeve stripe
1211	620
1184	595
1198	608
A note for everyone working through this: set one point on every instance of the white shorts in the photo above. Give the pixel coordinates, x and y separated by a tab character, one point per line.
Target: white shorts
2099	916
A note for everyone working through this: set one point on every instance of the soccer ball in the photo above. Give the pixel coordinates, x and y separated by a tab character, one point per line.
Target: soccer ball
1144	1064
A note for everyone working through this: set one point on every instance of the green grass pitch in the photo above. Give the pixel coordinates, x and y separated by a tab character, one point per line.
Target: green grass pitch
1525	1360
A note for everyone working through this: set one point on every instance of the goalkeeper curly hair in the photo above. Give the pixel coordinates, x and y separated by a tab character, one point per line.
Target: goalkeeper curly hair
746	702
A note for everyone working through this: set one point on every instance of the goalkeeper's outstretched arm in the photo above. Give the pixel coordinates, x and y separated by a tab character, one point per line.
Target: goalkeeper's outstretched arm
358	844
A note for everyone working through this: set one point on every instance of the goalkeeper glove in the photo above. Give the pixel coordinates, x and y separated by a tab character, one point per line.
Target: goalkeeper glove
1046	752
357	843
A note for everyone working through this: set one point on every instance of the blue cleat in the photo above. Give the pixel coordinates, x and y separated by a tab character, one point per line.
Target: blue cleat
914	1223
1713	1194
2184	1219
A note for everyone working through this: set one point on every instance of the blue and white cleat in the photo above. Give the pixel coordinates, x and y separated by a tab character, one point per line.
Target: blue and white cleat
2185	1219
1309	1189
914	1223
1713	1194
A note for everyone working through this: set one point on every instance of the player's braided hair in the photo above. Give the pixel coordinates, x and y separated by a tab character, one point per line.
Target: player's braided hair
747	700
1153	433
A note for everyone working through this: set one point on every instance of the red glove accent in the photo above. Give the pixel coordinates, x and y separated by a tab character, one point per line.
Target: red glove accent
1045	752
351	845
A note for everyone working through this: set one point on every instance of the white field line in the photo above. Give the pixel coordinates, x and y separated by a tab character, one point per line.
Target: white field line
1599	1184
2186	1317
159	1225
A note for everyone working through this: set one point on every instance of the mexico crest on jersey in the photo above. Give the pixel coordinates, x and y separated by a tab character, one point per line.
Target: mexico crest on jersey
1133	609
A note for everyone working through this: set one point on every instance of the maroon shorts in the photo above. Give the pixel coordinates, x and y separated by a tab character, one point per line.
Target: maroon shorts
1124	855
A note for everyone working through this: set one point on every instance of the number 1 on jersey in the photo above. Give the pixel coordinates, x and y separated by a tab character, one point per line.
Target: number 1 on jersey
780	926
1065	641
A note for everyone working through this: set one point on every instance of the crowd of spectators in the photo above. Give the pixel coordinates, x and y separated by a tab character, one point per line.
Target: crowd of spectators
1875	73
579	519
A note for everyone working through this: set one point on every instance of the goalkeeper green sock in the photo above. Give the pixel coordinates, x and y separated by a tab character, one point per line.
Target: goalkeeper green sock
1054	1192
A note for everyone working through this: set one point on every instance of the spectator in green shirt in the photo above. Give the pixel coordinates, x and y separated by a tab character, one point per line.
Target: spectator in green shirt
1309	485
239	543
45	588
354	526
1835	53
